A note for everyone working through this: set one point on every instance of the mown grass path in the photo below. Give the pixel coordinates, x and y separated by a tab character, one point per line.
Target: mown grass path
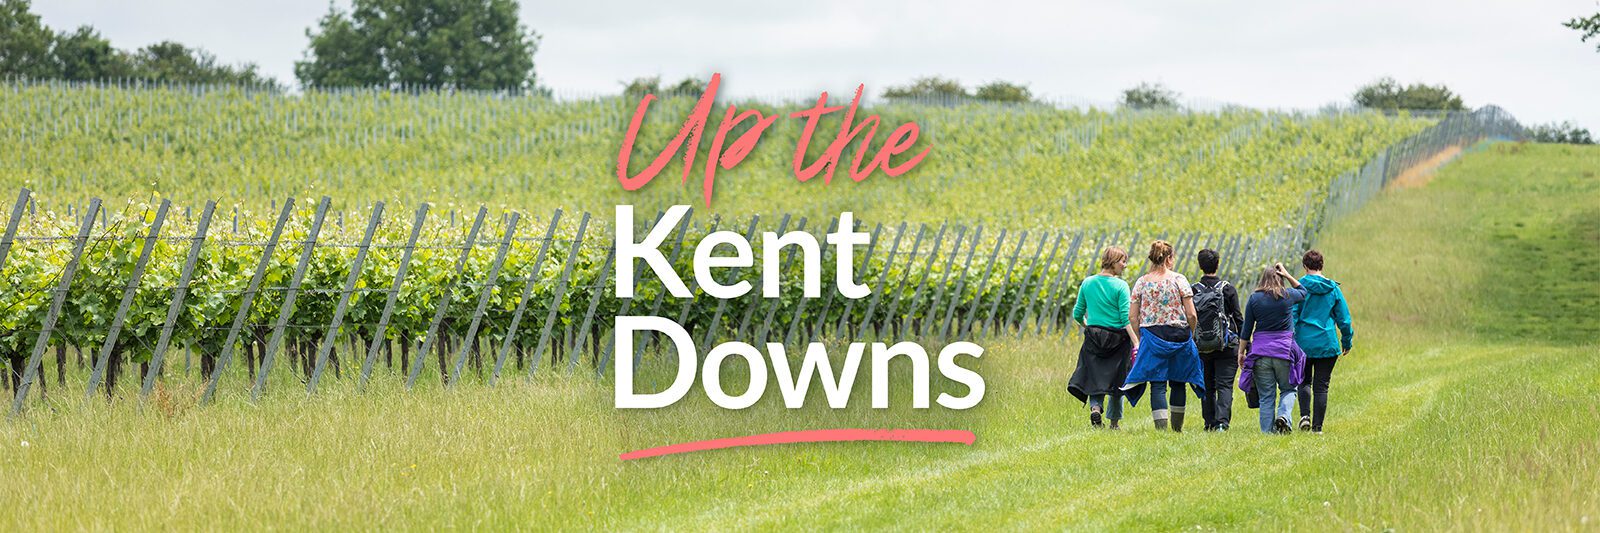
1468	403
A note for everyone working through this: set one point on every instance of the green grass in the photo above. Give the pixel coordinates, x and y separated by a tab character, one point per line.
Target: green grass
1468	403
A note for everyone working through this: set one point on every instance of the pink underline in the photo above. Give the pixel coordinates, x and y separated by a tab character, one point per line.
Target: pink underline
814	435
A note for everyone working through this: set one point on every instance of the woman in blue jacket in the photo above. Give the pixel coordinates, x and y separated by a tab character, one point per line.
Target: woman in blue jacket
1322	329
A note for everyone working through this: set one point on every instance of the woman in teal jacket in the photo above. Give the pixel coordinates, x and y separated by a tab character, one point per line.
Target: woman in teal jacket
1322	329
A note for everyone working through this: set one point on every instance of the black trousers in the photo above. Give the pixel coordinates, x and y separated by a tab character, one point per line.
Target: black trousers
1313	390
1216	405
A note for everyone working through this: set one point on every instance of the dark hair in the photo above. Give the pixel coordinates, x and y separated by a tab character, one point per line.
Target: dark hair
1312	260
1208	261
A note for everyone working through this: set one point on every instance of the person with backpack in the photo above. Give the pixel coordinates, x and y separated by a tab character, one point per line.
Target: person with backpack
1216	303
1108	340
1322	329
1163	306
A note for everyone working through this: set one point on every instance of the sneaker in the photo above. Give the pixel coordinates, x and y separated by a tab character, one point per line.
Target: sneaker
1094	418
1305	423
1281	425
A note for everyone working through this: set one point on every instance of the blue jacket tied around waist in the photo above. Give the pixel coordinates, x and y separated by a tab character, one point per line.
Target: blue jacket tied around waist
1161	360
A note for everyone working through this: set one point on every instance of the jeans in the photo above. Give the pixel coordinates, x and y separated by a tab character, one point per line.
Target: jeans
1216	404
1113	411
1160	407
1272	382
1314	389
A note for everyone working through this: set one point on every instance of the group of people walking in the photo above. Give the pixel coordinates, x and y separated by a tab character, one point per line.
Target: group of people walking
1167	335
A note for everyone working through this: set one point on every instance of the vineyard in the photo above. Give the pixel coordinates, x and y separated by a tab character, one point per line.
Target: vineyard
435	238
1247	168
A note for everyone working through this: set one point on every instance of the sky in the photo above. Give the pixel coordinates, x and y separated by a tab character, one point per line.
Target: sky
1266	54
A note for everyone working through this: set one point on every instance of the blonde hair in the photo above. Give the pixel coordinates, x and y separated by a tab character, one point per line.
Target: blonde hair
1160	252
1111	256
1271	283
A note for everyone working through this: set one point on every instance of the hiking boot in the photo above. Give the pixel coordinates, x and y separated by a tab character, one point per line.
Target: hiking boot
1305	423
1161	424
1281	425
1094	417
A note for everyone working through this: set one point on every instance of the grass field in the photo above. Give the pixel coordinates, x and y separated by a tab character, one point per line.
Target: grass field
1468	403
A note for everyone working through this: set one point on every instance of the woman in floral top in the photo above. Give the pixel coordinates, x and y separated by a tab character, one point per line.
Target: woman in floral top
1163	307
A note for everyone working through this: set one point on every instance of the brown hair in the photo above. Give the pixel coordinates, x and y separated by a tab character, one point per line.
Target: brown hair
1312	260
1271	283
1160	252
1110	257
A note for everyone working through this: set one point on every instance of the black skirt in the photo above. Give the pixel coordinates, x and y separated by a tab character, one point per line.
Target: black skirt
1103	362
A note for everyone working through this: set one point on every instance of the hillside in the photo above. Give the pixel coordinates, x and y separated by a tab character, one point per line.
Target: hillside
1473	371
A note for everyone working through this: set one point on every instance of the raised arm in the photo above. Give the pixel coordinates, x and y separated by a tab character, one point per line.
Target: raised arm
1296	293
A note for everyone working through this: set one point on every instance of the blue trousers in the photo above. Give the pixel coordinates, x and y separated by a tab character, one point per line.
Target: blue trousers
1272	385
1113	411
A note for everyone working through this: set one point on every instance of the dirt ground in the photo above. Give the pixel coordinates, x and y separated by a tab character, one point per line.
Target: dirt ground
1419	174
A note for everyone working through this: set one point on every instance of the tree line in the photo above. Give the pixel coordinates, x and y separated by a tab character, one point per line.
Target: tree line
483	45
28	49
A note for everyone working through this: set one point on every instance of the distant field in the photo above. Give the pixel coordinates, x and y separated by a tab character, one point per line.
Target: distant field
1246	169
1467	404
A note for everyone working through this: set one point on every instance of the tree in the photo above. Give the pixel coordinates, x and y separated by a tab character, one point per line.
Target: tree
460	44
1388	94
928	87
1589	26
640	86
84	55
29	49
689	86
1564	133
1004	91
168	61
1150	96
24	42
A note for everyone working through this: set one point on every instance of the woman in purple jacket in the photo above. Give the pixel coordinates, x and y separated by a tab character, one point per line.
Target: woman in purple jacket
1275	365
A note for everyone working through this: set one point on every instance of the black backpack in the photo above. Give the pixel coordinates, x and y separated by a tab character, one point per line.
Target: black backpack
1211	334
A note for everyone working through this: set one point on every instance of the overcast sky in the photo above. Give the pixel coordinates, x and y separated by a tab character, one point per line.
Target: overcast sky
1259	53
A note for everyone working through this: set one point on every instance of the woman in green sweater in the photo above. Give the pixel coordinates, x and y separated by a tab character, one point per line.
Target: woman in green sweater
1108	341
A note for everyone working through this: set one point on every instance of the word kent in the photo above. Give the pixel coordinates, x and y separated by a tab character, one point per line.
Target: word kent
727	155
713	252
